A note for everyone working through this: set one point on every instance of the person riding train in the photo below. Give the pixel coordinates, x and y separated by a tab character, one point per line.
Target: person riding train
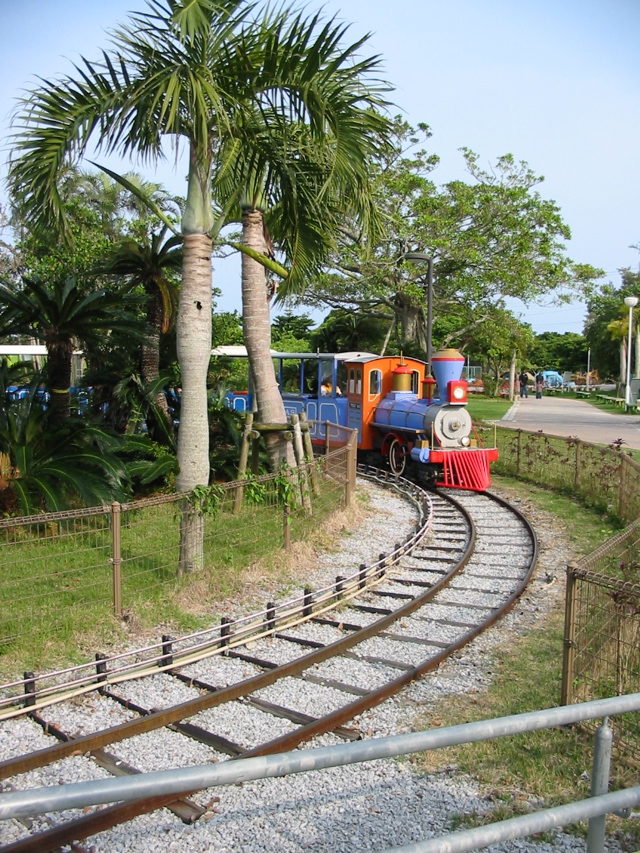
326	389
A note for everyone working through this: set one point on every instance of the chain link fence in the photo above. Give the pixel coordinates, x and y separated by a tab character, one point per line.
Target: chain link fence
602	630
59	571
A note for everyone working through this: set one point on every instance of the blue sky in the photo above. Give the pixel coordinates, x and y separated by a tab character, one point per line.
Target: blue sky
554	83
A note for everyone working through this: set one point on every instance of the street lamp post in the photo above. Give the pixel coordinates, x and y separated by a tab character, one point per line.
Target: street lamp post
421	256
630	302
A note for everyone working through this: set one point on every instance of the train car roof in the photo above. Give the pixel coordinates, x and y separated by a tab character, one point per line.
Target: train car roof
236	351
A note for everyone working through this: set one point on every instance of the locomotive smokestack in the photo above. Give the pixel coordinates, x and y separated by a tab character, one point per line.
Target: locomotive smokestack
447	365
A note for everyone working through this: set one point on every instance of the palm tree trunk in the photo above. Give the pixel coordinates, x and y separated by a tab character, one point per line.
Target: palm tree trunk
193	337
59	354
150	363
194	352
256	320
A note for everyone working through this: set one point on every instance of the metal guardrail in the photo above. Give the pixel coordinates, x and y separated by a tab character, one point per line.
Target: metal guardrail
80	794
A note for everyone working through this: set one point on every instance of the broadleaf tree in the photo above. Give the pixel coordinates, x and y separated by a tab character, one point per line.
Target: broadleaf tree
490	237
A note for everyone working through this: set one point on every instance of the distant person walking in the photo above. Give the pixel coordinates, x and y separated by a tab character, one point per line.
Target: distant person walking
539	385
523	379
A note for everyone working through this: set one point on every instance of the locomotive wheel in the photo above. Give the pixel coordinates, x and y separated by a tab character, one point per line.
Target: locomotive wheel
397	456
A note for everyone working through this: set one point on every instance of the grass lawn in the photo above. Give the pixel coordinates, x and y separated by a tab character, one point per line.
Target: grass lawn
56	589
483	408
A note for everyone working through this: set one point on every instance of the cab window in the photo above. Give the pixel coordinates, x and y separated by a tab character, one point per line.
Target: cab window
375	383
352	380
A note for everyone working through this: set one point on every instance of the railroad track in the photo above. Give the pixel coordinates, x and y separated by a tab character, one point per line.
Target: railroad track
272	680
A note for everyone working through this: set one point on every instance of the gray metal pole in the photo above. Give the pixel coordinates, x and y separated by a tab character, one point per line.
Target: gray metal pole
429	312
79	794
600	784
422	256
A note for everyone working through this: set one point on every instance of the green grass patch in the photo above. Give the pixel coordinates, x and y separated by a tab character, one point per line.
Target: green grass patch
604	400
553	765
483	408
56	584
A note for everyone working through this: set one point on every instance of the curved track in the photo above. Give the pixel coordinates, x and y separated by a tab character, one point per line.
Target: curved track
276	679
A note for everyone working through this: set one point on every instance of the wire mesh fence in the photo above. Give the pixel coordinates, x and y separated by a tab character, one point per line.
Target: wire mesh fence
602	611
602	630
60	570
605	478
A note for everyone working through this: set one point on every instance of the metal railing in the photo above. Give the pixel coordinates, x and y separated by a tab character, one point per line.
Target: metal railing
37	801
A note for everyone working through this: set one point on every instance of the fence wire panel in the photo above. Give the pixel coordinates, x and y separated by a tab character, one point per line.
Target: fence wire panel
237	534
603	477
606	629
55	566
327	487
150	547
51	567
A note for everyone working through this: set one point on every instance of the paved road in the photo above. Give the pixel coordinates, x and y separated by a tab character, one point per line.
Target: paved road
561	416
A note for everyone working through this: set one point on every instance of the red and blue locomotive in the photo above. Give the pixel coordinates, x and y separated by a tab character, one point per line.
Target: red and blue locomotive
409	418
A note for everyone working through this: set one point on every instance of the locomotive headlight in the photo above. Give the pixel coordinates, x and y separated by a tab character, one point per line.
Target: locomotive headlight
457	392
465	441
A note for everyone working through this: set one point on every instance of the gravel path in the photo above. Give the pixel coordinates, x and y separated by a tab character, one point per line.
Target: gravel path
368	807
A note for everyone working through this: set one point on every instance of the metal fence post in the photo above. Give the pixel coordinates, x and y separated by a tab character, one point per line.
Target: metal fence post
569	637
116	557
519	453
578	462
599	784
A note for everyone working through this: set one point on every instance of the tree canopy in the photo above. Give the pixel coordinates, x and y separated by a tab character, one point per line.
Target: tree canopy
490	237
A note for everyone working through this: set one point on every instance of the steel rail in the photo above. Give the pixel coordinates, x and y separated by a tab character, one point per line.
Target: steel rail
376	697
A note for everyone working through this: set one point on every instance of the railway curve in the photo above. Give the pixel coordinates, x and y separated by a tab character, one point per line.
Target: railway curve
388	623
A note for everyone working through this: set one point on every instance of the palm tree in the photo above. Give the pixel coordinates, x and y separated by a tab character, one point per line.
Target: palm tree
196	71
152	265
120	209
63	315
295	192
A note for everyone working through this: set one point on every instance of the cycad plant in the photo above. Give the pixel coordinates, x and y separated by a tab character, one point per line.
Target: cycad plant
63	316
52	466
